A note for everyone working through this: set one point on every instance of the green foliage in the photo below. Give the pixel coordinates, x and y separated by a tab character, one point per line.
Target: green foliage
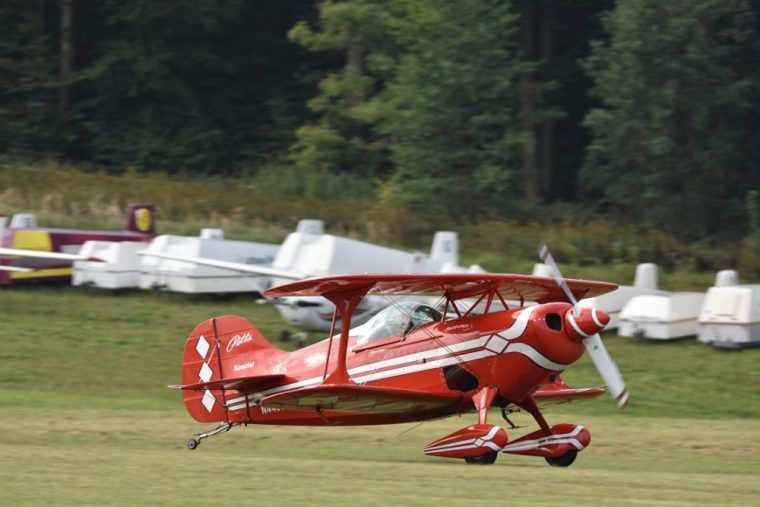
429	89
451	109
342	140
669	145
29	123
287	181
205	86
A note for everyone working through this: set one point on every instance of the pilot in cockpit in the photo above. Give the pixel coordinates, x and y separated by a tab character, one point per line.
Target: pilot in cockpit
398	319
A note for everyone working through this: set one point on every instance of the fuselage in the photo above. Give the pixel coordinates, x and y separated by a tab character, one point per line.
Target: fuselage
516	350
53	240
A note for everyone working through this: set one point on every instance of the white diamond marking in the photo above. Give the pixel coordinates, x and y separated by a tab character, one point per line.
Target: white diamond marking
208	400
202	346
496	344
205	373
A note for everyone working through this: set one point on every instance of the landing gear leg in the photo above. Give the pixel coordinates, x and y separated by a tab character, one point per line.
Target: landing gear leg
482	401
195	441
556	439
529	405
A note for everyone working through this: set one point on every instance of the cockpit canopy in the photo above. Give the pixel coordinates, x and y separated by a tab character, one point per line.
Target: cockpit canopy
396	320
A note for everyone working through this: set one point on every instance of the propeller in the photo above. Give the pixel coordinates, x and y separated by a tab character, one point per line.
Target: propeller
607	368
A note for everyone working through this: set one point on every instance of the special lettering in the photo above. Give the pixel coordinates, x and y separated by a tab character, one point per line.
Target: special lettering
245	366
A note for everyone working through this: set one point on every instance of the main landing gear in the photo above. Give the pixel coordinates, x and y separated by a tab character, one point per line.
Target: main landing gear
484	459
565	460
481	443
195	441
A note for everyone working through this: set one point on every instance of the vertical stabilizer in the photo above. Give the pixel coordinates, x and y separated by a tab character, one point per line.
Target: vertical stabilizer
24	221
445	247
224	351
141	218
727	278
311	226
646	276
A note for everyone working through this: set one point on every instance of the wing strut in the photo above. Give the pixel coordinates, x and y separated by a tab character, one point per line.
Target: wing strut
345	304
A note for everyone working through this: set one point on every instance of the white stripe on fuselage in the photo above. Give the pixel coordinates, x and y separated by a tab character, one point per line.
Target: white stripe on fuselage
565	438
517	329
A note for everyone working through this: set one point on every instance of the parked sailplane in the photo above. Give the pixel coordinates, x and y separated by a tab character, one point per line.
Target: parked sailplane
308	255
411	362
32	253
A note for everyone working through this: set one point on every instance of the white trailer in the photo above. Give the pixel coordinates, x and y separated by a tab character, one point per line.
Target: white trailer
665	316
668	315
118	266
179	276
730	317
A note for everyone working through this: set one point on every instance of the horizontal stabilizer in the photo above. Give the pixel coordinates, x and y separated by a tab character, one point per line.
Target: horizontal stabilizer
559	392
242	384
360	399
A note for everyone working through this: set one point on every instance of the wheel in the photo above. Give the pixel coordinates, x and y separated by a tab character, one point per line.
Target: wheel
485	459
193	443
563	461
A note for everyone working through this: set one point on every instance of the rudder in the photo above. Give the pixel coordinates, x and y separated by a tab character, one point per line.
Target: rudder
141	218
222	349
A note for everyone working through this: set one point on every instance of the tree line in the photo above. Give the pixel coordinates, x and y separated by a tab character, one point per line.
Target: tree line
642	111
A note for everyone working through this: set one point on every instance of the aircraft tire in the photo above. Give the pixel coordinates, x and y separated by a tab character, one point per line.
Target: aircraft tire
193	443
565	460
485	459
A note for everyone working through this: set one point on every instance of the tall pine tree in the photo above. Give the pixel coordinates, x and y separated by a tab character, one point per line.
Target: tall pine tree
677	82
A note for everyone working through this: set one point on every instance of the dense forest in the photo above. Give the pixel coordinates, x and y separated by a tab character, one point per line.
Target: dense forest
642	111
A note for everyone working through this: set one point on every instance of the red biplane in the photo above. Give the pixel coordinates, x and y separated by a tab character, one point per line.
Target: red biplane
412	362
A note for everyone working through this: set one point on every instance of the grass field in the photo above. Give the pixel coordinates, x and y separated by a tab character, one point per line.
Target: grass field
85	419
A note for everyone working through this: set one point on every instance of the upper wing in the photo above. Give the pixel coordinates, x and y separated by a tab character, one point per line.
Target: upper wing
360	399
232	266
460	285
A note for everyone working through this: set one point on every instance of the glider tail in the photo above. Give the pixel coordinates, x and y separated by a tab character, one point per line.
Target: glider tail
141	218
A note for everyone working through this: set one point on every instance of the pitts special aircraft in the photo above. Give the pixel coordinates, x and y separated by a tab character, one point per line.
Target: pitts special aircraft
411	362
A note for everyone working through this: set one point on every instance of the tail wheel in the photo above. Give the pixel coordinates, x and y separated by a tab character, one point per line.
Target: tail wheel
565	460
484	459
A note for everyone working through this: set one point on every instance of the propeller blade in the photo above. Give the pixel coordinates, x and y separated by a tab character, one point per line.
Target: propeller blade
546	258
606	367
